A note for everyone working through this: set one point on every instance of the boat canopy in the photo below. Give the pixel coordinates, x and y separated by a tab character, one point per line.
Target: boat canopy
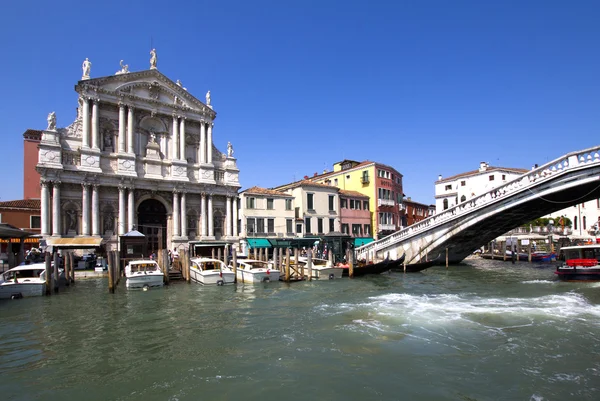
254	243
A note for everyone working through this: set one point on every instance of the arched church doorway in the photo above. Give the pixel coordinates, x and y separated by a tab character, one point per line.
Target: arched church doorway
152	222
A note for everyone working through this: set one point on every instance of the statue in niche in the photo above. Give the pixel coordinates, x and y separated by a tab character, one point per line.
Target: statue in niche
107	141
153	59
208	98
51	122
71	219
229	149
108	222
191	223
152	137
86	67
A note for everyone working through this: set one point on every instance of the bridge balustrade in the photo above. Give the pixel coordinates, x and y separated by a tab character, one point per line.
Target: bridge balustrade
534	177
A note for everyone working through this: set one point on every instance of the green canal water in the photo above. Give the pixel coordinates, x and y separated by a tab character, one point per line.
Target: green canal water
482	330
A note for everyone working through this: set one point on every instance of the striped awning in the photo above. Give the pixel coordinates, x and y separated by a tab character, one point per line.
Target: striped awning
76	243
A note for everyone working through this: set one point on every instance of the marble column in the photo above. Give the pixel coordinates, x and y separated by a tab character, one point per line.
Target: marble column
95	125
45	208
228	216
183	215
203	227
121	128
235	216
121	229
85	208
176	218
85	116
209	216
202	148
130	210
95	211
56	209
175	155
182	139
209	143
130	148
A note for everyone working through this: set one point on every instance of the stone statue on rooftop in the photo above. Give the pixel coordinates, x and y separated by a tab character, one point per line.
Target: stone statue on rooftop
229	149
86	67
51	122
124	69
153	59
208	98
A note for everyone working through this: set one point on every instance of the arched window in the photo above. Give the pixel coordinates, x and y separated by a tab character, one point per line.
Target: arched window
463	198
445	204
575	223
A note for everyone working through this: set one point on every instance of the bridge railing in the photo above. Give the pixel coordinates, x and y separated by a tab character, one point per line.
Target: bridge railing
535	176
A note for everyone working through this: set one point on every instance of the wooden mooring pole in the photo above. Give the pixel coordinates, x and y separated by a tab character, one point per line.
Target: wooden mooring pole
56	278
287	265
111	267
234	262
446	258
164	257
309	263
48	261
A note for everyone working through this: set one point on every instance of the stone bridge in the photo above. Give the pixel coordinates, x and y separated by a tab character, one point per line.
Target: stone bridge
566	181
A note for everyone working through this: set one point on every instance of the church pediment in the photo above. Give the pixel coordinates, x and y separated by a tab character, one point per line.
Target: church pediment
148	86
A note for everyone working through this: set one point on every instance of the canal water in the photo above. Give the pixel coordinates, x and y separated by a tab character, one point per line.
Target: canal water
482	330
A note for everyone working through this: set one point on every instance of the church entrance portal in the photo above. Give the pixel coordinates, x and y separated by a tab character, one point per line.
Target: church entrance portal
152	222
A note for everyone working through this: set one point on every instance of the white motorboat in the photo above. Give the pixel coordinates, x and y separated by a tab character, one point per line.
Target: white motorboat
322	268
24	281
210	271
255	271
143	274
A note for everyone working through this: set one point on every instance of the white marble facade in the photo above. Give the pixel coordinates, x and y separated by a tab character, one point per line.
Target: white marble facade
137	136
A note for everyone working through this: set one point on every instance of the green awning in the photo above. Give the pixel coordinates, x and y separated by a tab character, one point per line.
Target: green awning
362	241
258	243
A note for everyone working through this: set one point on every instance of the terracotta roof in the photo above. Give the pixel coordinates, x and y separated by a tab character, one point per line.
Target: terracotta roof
29	204
309	183
412	202
34	134
264	191
487	170
354	194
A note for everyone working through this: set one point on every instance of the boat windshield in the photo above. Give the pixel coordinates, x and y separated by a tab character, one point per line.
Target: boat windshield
257	264
30	273
207	266
143	267
583	253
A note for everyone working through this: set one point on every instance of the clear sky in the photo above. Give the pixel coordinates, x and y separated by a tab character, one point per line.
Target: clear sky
428	87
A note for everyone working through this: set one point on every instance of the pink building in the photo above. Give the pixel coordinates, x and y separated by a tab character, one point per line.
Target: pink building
355	216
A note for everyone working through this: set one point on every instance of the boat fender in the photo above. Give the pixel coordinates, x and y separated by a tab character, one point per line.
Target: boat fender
220	282
266	279
268	271
17	295
331	276
146	287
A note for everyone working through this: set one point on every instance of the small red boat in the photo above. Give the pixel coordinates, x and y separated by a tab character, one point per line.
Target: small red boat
582	262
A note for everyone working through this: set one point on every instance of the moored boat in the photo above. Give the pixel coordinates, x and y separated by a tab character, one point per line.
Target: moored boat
417	267
25	281
582	262
322	268
208	271
255	271
143	274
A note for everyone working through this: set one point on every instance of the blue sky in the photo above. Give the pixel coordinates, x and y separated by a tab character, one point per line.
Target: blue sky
428	87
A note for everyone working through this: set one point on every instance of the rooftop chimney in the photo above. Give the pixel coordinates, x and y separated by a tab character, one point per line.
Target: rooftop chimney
483	166
440	177
315	175
306	177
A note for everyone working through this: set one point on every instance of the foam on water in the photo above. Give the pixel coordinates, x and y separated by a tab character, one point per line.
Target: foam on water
539	282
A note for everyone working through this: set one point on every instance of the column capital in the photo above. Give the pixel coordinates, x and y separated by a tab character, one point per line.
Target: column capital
122	187
44	183
130	107
203	195
122	105
85	184
56	183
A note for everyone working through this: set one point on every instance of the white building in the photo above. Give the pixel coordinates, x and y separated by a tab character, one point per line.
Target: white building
140	154
459	188
316	207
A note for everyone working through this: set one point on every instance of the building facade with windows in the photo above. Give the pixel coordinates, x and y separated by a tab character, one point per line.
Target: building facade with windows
381	183
316	207
355	214
266	213
459	188
416	211
139	155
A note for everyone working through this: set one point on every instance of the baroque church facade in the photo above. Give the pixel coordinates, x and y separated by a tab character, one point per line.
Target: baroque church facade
139	156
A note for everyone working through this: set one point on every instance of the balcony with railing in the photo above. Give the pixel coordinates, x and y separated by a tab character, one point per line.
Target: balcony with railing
387	227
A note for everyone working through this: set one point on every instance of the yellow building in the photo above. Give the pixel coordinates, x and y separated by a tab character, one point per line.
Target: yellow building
381	183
